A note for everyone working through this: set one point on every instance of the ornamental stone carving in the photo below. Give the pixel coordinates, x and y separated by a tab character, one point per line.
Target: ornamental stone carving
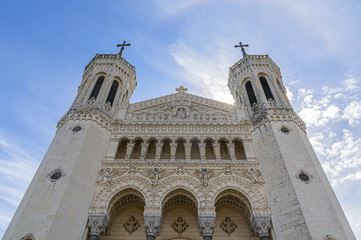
131	225
97	224
180	225
207	225
228	226
261	225
152	224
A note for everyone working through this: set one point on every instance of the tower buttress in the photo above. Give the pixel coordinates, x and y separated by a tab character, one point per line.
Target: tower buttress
293	175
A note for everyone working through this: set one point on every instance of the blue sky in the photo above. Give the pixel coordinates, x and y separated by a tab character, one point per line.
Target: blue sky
45	45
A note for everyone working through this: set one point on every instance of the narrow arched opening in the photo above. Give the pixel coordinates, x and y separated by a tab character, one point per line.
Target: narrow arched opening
112	92
122	149
251	95
195	149
97	86
266	89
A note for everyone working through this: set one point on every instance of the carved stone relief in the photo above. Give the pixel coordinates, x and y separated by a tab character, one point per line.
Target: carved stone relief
179	225
131	225
228	226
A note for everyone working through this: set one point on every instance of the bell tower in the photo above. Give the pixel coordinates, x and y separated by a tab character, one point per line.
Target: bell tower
302	203
56	204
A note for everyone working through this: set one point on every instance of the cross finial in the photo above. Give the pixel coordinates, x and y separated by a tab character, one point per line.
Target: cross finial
181	89
242	48
122	47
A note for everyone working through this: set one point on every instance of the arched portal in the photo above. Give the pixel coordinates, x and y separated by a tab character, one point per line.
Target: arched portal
233	214
125	211
179	216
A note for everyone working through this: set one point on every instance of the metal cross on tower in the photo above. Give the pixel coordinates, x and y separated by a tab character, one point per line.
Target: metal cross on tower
242	48
122	47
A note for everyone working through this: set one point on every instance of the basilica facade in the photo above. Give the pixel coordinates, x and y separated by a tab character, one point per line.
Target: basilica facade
180	166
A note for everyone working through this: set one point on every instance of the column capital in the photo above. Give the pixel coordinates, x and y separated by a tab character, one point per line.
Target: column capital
152	224
97	224
207	225
261	225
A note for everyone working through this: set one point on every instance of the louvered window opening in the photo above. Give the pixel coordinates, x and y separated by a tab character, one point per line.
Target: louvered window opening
112	92
97	87
266	88
251	96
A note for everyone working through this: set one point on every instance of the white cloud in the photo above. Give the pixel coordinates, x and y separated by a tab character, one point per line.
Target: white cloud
352	113
200	70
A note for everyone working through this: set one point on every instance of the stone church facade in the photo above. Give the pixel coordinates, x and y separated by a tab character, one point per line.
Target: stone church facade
180	166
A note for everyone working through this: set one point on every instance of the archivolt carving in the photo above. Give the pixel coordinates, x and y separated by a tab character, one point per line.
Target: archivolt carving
254	193
107	192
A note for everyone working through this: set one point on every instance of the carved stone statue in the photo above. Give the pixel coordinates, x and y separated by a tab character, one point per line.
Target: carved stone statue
217	150
254	174
187	149
202	150
173	149
204	176
255	107
143	150
129	150
158	149
271	102
155	176
231	150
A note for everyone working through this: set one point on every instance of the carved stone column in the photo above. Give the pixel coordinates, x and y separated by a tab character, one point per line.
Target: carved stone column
217	149
144	149
173	149
187	149
97	224
261	225
129	151
152	225
231	150
207	225
158	149
202	149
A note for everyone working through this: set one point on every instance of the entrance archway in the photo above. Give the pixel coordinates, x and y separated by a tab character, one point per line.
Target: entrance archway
126	219
233	212
179	216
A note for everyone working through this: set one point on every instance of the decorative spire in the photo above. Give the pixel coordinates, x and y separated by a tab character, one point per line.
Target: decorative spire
122	47
242	48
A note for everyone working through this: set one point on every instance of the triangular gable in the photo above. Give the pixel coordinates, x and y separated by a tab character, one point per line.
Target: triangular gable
180	106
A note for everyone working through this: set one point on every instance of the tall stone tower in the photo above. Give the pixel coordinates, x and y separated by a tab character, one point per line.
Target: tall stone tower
180	166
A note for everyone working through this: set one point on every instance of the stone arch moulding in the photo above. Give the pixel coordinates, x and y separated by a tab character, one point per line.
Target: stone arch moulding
186	183
105	195
122	193
253	192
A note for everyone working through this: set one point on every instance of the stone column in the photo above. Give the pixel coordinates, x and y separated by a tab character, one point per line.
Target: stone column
231	150
217	149
152	225
207	225
129	151
261	225
158	149
173	149
202	149
187	149
97	224
144	149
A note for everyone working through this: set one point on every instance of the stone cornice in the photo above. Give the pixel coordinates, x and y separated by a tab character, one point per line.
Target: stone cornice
264	115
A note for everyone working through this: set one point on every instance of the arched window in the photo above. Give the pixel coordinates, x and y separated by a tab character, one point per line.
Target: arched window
266	88
97	87
112	92
251	96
